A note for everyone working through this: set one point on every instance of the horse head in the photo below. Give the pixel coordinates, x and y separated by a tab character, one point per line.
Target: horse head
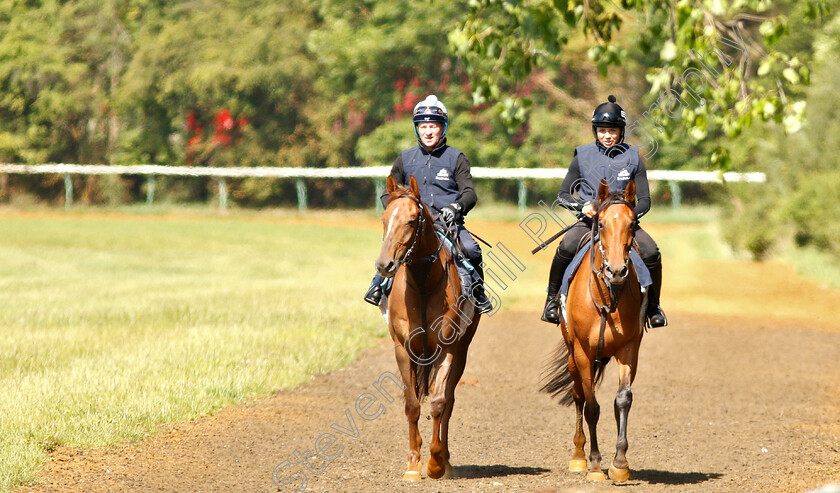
616	222
402	223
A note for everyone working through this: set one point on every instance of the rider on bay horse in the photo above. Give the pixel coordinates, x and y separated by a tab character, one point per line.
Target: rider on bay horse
609	158
443	177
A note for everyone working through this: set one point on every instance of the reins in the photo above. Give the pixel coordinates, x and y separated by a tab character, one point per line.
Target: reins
421	277
613	292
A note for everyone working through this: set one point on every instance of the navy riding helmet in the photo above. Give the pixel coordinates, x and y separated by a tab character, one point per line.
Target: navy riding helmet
609	114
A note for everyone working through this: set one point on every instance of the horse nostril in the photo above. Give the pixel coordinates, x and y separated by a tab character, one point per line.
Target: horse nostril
623	272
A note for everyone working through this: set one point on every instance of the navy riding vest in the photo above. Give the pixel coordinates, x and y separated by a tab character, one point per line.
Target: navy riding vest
618	168
434	172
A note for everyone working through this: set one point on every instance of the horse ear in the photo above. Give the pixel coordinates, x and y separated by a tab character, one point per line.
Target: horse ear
603	191
391	184
630	192
412	187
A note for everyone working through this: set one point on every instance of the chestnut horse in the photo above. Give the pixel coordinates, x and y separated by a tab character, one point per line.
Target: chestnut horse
604	310
431	324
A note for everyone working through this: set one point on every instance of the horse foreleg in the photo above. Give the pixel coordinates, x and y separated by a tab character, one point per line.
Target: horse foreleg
438	462
578	462
408	370
626	358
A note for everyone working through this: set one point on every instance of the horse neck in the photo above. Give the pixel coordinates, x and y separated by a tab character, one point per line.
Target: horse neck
428	244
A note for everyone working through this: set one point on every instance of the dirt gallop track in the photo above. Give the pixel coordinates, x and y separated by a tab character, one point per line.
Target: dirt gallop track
720	404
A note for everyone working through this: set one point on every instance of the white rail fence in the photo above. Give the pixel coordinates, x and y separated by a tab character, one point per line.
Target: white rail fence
377	173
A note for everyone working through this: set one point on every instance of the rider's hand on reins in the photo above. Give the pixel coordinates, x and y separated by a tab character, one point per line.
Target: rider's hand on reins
448	214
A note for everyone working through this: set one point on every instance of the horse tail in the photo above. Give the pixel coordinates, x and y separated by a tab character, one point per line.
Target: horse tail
599	372
423	377
556	377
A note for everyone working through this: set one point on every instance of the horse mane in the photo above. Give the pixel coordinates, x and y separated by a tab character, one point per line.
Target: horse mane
613	197
400	190
403	190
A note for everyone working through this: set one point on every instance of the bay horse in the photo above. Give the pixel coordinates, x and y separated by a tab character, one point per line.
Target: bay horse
604	319
430	322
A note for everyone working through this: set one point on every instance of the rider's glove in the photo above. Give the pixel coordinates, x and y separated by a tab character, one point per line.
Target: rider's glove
449	213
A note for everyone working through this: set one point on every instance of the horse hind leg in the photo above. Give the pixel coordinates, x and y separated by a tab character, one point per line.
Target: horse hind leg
458	365
592	412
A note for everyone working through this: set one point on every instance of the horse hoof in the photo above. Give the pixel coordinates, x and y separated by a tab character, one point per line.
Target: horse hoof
596	476
412	476
413	473
577	465
435	472
619	475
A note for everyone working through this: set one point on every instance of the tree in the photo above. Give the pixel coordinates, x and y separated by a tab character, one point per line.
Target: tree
711	64
802	196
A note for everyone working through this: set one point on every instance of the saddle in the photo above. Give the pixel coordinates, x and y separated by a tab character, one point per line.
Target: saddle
466	271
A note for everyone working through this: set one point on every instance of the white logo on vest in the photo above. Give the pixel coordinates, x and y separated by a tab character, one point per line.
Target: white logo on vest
443	174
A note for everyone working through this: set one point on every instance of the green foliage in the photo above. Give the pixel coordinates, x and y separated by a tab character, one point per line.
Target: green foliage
801	200
332	83
252	62
730	48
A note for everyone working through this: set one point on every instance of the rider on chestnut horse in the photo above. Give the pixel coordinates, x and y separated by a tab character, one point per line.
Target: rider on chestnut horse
445	183
607	158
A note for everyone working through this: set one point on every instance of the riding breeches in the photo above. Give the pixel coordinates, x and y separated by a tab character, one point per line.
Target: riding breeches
470	247
648	249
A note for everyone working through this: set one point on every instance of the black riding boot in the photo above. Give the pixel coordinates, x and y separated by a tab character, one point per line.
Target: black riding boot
655	314
374	292
551	312
482	304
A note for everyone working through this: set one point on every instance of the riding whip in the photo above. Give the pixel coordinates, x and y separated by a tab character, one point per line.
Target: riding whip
468	231
558	235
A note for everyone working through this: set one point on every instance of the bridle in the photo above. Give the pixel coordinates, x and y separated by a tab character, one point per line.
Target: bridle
418	230
613	290
422	276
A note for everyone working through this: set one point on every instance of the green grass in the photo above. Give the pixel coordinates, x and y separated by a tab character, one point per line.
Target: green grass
812	263
110	326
